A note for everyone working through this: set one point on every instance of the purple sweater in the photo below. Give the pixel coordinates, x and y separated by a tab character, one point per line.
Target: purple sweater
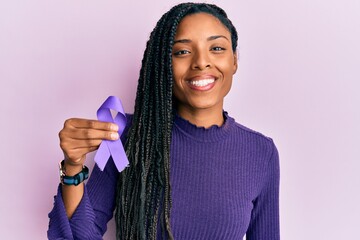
224	184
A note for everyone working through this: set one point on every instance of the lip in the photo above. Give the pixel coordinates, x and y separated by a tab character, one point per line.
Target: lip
207	87
202	76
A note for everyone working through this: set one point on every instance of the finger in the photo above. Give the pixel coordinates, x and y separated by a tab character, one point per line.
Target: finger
83	143
92	134
92	124
76	154
86	133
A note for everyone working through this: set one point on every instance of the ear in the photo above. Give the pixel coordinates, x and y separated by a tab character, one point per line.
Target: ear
235	61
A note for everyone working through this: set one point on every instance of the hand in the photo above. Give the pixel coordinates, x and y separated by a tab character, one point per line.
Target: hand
81	136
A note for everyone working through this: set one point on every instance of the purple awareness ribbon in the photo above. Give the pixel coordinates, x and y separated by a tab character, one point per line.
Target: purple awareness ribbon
112	148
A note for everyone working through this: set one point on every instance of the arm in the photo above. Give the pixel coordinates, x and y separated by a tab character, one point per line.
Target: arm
72	194
264	223
93	212
72	203
77	138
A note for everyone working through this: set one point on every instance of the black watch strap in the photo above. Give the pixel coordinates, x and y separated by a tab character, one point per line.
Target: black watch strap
72	180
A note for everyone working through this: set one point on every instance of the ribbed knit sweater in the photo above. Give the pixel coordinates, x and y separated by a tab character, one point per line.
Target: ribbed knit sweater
224	184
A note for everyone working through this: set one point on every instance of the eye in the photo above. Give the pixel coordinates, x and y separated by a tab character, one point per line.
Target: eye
181	52
218	49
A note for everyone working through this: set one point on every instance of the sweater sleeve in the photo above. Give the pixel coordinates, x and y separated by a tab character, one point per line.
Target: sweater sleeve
264	223
95	209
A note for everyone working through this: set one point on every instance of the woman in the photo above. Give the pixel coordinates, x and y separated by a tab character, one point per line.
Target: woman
194	172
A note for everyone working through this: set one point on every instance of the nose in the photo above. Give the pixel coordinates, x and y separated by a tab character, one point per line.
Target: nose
201	61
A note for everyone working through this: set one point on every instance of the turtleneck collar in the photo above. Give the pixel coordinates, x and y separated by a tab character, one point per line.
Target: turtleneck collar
212	134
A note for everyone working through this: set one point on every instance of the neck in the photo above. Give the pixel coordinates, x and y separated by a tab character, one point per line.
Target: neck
202	117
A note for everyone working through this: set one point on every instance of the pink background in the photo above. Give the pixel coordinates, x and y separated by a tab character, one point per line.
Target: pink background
298	82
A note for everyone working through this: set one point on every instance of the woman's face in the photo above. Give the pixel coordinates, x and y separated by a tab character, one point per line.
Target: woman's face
203	62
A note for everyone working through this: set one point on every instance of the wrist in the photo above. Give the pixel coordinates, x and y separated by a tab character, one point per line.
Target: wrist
75	176
72	169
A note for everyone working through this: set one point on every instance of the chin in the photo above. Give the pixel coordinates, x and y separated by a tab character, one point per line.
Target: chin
203	105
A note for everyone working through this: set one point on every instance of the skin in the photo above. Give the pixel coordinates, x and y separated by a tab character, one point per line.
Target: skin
202	49
77	138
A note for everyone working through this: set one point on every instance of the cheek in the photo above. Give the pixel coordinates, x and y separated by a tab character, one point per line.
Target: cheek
225	63
227	69
179	71
231	66
178	68
177	85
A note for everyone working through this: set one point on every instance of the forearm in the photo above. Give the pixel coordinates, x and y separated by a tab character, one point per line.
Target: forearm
72	194
83	223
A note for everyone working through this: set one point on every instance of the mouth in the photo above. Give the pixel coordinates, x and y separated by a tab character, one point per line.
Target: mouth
202	82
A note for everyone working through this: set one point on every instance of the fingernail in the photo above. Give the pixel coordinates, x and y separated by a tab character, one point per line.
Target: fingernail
114	136
114	127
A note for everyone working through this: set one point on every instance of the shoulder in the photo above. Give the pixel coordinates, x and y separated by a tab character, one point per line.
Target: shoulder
261	152
249	132
253	140
129	119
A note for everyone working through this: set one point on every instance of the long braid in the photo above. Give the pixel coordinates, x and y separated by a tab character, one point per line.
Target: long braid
144	191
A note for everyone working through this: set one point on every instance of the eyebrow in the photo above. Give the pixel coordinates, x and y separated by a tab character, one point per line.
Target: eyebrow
209	39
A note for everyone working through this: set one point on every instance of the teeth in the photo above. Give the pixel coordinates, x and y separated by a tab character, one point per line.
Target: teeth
202	82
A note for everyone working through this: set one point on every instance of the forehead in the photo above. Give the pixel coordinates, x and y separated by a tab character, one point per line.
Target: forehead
201	24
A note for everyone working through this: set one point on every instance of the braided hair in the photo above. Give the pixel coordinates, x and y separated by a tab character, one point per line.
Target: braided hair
144	198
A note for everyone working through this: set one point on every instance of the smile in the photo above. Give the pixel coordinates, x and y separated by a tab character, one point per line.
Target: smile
202	82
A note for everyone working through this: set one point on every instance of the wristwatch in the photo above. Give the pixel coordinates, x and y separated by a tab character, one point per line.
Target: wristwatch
73	180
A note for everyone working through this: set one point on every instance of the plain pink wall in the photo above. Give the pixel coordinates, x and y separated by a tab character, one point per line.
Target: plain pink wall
298	82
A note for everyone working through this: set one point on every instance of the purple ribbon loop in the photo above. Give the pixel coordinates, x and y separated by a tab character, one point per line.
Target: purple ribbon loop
112	148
